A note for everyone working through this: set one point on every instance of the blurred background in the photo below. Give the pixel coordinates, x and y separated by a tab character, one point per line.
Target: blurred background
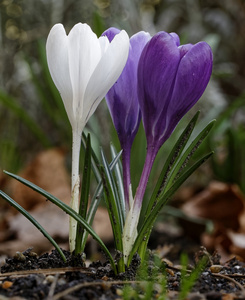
33	122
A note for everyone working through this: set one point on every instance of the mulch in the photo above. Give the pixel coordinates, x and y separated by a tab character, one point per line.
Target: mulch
29	276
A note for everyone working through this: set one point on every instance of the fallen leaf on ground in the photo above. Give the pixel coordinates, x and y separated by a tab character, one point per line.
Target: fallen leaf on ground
48	171
223	204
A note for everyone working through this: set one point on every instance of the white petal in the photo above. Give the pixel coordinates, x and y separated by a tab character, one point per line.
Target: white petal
84	55
104	43
106	73
57	57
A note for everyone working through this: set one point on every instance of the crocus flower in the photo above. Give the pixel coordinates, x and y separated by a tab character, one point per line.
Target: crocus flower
123	104
171	79
83	68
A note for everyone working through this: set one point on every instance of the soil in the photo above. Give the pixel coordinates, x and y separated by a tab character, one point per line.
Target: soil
29	276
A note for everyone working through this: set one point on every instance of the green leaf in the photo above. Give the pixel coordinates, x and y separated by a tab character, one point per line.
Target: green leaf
188	280
162	199
171	161
97	198
95	160
69	211
188	154
84	195
113	210
33	221
162	179
119	183
112	184
178	161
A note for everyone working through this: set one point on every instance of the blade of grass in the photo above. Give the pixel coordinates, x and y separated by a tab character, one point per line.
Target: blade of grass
171	162
94	160
114	190
119	180
168	166
188	154
33	221
69	211
113	215
97	198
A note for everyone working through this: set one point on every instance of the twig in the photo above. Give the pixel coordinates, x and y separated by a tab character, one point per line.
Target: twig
227	277
52	287
44	271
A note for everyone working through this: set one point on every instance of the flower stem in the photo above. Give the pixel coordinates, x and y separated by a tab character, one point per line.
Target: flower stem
150	157
75	184
130	228
127	178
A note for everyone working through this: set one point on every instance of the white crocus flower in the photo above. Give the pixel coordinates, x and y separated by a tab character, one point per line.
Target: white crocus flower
83	68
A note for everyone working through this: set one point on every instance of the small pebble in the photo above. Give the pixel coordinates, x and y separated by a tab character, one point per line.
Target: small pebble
168	262
19	256
216	268
119	292
50	279
171	272
32	254
7	284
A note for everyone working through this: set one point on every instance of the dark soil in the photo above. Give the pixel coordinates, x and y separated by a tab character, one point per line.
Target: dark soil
97	281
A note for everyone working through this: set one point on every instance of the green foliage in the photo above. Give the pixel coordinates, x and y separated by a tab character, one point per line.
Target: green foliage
189	279
151	279
173	174
33	221
150	282
65	208
228	138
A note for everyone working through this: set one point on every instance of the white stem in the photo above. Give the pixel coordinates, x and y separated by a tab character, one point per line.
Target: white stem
75	184
130	231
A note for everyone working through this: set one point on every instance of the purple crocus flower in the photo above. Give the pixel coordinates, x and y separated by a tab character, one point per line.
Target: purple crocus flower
122	100
171	79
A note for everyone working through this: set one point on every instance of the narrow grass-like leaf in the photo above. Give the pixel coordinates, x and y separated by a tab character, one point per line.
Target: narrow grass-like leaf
113	214
33	221
84	195
94	160
162	179
69	211
163	198
171	161
31	124
187	282
188	154
119	181
97	198
114	190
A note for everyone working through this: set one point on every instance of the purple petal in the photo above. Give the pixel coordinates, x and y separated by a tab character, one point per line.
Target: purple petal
122	99
171	80
175	37
156	74
193	75
110	33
